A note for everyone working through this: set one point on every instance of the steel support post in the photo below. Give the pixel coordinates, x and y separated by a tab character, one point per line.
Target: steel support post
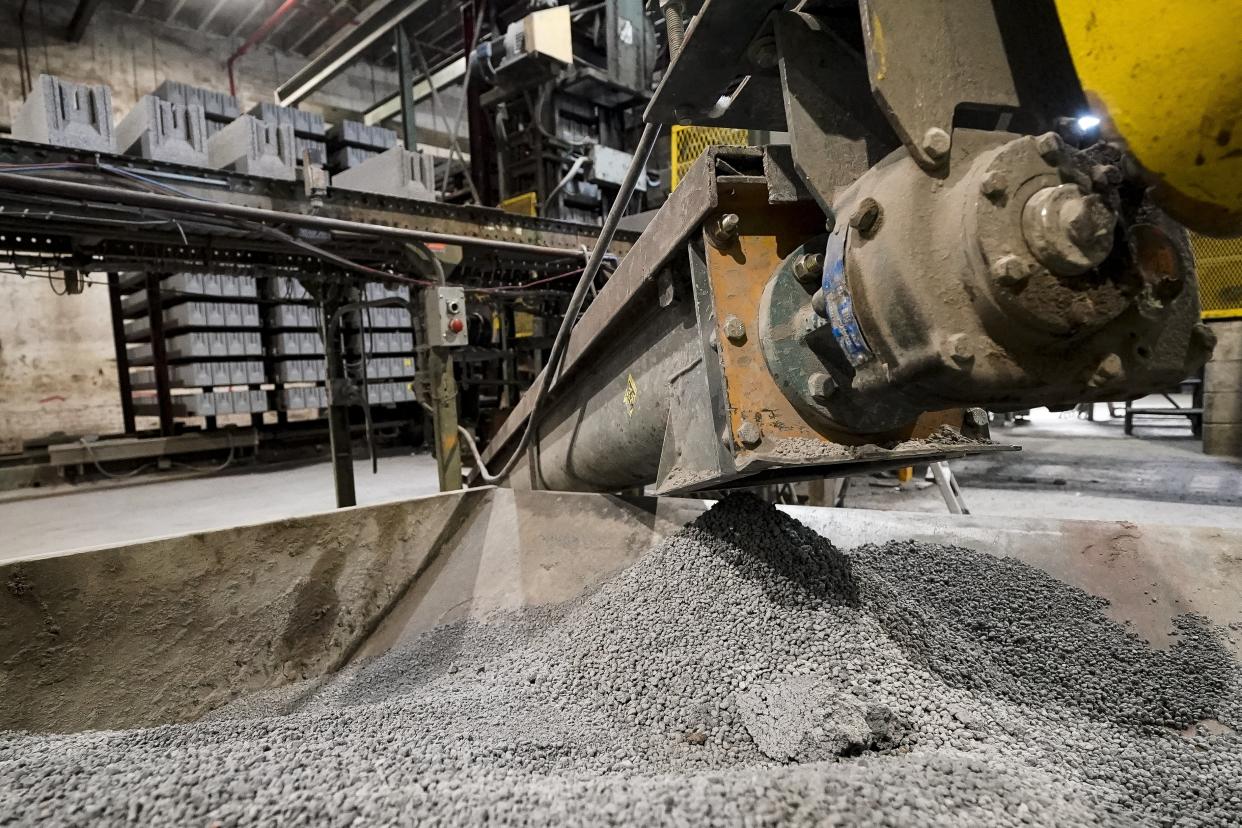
159	353
444	415
338	413
122	354
405	74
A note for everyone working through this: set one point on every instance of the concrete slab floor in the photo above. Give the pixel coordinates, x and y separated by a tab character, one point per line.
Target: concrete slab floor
1068	468
1077	469
99	516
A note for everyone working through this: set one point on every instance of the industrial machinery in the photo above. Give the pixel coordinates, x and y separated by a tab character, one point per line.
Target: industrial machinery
952	227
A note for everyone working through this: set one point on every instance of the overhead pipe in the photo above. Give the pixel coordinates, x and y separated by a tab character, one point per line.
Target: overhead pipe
258	36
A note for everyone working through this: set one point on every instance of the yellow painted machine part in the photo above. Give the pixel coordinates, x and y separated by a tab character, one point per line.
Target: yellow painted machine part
526	204
1166	77
689	142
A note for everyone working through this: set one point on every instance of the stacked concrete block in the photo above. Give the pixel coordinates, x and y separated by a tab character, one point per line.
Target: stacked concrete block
219	108
160	130
389	342
301	370
390	393
180	285
254	147
290	344
396	172
1222	392
65	114
200	315
203	345
350	143
398	367
299	399
204	375
309	129
293	316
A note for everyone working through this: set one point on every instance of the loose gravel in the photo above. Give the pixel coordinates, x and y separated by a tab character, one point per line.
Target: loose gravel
743	672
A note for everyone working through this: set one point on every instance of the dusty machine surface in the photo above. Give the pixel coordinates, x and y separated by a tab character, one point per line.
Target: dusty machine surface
945	231
475	656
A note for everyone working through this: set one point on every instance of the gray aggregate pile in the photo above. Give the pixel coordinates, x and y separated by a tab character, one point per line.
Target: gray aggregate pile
744	672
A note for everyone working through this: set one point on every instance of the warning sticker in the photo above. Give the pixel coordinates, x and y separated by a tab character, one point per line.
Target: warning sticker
631	395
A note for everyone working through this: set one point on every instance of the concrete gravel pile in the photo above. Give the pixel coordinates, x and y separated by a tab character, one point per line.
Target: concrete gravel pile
743	672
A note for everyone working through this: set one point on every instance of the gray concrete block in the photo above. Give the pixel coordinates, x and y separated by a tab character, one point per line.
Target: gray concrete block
65	114
217	106
1222	439
1222	407
359	135
396	172
161	130
1223	375
348	157
305	124
254	147
1228	340
318	149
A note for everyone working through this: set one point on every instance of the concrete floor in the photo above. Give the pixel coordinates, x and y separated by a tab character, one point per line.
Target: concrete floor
107	514
1077	469
1068	468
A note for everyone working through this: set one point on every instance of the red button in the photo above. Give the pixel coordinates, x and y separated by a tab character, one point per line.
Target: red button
455	325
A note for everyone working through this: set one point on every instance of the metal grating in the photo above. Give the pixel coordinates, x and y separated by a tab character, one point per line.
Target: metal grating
689	142
1219	265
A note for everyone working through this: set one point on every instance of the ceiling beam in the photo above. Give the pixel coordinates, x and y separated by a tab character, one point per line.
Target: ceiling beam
374	22
211	15
442	77
254	11
172	15
81	19
310	31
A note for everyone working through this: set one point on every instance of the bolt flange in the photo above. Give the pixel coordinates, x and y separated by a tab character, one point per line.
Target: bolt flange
749	434
866	217
734	330
821	387
936	143
809	268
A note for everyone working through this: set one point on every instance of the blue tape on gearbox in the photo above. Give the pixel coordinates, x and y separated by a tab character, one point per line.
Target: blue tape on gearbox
838	302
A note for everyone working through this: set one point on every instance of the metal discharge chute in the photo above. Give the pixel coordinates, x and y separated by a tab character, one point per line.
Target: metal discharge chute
940	235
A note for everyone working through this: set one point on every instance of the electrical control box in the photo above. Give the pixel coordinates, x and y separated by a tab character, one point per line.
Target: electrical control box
445	313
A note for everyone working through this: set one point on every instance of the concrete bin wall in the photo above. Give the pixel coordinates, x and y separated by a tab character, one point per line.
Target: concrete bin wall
1222	392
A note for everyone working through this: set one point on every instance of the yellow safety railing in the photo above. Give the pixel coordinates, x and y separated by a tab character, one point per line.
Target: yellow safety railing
689	142
1219	264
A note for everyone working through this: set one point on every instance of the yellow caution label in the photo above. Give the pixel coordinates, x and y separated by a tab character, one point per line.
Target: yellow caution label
631	395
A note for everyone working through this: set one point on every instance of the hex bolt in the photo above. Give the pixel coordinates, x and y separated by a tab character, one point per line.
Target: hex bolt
866	216
830	223
1049	146
959	350
976	417
749	434
936	143
1104	176
821	387
734	330
724	230
994	185
1011	271
809	268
